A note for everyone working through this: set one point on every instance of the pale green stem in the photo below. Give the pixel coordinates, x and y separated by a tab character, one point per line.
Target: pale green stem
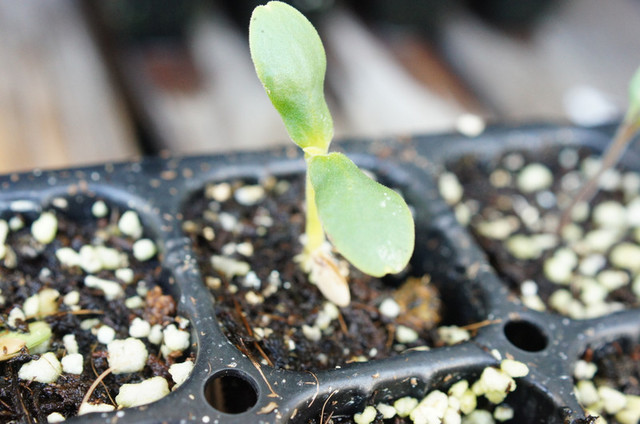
624	135
314	231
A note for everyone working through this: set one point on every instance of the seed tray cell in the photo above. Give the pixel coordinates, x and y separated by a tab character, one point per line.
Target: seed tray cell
230	383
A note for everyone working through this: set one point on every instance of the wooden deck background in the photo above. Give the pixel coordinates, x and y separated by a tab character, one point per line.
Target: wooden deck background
77	87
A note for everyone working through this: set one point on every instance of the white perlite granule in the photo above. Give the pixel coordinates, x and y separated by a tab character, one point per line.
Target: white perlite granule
99	209
46	369
111	289
366	416
144	249
142	393
450	188
72	363
44	228
458	405
180	372
87	408
534	177
249	195
129	355
55	417
129	224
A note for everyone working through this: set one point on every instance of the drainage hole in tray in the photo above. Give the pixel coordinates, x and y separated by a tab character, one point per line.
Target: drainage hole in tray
526	336
232	393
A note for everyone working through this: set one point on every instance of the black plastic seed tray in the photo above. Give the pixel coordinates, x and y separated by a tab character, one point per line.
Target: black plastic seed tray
226	386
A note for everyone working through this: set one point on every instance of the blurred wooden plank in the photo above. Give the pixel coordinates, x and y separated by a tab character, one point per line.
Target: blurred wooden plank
57	107
203	96
576	64
375	93
424	63
223	106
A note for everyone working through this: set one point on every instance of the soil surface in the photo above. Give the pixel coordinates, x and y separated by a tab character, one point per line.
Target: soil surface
584	280
271	312
28	268
618	367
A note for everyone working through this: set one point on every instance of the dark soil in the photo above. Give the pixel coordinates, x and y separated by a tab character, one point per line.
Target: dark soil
273	227
37	267
489	201
618	367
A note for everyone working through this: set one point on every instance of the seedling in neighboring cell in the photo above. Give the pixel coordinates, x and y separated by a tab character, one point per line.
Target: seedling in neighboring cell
625	133
366	222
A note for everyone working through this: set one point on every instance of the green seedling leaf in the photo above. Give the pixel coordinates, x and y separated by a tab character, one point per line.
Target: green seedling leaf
12	341
290	62
368	223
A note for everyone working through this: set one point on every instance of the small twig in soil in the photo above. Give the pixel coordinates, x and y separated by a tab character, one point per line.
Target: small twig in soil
612	155
364	306
478	325
322	420
24	407
391	329
588	355
87	396
262	353
255	363
78	312
625	133
247	326
315	395
17	394
259	368
106	389
329	418
343	325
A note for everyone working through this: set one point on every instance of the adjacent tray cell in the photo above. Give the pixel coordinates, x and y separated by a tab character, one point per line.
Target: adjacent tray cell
492	394
513	205
84	300
607	381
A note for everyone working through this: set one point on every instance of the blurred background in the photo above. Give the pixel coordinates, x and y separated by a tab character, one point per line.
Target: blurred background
90	81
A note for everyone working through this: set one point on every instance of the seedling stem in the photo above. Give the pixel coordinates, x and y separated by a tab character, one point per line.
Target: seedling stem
625	133
369	224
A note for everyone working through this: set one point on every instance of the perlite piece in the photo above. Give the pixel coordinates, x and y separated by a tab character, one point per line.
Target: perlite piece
130	225
180	372
72	363
144	249
174	340
534	177
46	369
44	228
111	289
129	355
366	416
87	408
142	393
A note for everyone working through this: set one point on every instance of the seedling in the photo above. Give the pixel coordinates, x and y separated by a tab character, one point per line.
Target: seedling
11	342
367	223
625	133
